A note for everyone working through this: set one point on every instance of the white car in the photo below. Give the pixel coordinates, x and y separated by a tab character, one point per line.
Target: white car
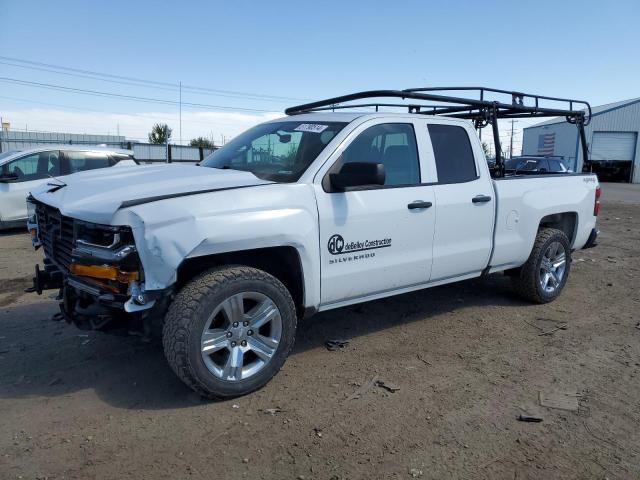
22	171
307	213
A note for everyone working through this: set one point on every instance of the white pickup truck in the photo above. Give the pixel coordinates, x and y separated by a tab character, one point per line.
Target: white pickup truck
306	213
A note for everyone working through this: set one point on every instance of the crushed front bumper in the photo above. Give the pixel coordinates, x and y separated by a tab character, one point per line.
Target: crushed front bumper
96	269
89	306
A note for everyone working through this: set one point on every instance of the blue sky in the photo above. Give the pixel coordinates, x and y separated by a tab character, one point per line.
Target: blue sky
305	50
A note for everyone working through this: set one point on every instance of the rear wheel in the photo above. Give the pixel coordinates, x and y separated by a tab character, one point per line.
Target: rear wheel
229	331
545	274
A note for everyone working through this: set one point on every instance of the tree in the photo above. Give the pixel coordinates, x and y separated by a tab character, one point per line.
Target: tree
201	142
160	134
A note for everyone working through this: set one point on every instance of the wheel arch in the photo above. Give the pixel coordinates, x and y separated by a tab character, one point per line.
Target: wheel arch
283	262
566	222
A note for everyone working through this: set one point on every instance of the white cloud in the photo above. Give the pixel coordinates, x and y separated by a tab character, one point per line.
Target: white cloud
136	126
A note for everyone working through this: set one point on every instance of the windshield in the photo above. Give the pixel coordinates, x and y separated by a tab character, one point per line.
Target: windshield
279	152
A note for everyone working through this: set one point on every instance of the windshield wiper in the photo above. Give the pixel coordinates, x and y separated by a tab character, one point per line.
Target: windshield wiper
56	186
223	167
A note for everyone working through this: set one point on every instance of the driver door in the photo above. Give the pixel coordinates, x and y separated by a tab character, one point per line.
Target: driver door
376	239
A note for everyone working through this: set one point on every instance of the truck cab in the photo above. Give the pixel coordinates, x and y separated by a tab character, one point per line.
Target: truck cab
436	179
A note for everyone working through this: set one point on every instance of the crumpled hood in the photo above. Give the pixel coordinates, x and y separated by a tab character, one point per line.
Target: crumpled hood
95	195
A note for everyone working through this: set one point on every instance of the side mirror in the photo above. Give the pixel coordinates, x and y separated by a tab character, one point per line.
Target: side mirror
8	177
284	138
357	174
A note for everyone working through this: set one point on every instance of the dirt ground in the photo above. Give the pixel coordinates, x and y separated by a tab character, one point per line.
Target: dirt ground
468	359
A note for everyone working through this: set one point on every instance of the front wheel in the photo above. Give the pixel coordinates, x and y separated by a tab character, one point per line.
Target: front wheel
545	274
229	331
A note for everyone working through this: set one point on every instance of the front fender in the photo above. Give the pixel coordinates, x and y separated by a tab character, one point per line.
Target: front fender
168	232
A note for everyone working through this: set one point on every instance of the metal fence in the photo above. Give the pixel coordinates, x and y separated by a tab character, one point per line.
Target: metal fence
150	153
14	140
143	152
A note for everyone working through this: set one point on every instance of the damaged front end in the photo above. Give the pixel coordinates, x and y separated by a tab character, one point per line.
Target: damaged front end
97	271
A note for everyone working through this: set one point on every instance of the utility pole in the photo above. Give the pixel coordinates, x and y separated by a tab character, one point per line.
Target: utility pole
180	116
511	142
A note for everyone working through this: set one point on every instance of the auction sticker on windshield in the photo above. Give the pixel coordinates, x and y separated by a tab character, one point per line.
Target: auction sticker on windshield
311	127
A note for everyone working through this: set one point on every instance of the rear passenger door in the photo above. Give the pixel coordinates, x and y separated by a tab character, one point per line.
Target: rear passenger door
465	203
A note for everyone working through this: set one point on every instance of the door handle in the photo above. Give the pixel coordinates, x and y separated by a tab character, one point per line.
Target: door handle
481	199
418	204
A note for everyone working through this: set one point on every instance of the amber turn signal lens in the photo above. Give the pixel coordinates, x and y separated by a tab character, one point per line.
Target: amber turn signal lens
104	272
33	232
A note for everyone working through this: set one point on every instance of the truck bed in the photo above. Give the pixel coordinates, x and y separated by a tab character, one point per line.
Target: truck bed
523	201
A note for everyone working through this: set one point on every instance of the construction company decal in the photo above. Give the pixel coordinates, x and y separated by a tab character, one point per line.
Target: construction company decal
349	251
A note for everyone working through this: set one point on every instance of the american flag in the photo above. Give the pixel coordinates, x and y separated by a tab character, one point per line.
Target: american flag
546	143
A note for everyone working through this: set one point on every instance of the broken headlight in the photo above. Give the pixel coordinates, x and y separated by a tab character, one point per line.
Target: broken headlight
32	222
105	253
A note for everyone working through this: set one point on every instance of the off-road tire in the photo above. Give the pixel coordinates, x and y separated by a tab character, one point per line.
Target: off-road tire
184	323
525	280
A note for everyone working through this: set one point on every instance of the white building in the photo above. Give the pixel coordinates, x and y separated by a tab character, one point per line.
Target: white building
612	140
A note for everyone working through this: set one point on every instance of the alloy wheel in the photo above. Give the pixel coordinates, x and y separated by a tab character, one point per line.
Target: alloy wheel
241	336
553	267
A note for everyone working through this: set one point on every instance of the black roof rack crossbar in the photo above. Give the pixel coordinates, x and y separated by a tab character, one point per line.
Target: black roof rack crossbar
484	109
572	108
413	108
517	98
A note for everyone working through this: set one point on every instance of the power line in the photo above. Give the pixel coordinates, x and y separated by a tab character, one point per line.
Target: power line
97	93
119	78
131	84
78	75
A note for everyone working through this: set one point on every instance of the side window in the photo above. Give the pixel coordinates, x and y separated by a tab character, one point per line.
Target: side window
556	166
543	166
393	145
455	162
34	167
81	161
